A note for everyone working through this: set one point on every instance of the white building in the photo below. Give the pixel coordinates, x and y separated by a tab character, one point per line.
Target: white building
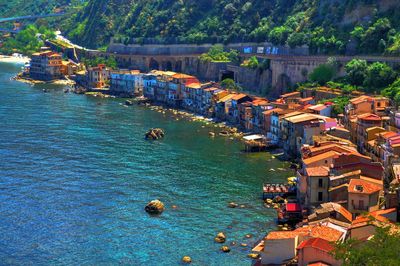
126	83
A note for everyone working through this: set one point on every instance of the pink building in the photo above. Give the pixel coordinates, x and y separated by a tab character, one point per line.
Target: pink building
316	250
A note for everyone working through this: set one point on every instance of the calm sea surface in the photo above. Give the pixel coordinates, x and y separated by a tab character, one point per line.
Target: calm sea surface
76	173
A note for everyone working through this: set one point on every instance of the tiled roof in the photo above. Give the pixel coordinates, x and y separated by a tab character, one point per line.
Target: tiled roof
290	94
281	235
320	231
317	171
306	99
194	85
301	118
319	263
318	107
320	157
331	206
226	98
277	110
365	187
317	243
369	117
239	96
360	99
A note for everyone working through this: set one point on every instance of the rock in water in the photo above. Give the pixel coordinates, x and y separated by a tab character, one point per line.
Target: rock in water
155	133
253	256
220	238
154	207
233	205
187	259
225	249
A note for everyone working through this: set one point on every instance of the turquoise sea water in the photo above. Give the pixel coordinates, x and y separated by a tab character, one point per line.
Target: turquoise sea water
76	173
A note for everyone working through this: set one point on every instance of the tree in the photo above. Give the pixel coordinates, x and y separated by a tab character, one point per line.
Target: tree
382	249
279	35
378	76
297	39
356	71
229	84
322	74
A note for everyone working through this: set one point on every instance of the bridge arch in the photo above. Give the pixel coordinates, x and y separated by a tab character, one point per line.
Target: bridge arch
153	64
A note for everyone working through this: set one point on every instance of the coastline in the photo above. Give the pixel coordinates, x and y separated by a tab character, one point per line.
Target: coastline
14	59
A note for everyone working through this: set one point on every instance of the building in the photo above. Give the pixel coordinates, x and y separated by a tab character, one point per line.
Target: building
321	109
126	83
46	66
98	77
316	250
149	85
292	130
175	87
233	110
364	122
363	196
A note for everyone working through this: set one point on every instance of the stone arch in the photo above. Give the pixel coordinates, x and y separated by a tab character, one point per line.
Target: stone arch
168	66
178	66
283	83
153	64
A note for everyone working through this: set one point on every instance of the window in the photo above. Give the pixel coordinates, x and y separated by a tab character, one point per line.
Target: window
320	194
361	204
320	182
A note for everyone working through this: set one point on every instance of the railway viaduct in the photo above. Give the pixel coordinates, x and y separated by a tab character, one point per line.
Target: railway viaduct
286	66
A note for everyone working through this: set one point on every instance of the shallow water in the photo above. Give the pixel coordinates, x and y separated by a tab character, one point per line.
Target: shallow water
76	173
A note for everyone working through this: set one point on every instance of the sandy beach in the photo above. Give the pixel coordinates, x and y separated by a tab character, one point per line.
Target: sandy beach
14	59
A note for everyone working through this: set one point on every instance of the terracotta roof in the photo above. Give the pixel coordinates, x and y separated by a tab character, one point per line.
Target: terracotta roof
318	107
317	243
332	206
226	98
182	76
361	186
294	113
360	99
319	263
278	110
211	89
239	96
194	85
320	231
301	118
306	99
320	157
317	171
281	235
290	94
369	117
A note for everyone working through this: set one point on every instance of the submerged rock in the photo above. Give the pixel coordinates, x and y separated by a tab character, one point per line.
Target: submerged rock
233	205
187	259
155	133
154	207
225	249
253	256
220	238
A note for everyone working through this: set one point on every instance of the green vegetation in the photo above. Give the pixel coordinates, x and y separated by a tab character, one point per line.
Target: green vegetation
110	61
27	41
382	249
322	74
329	27
356	71
230	84
339	104
217	54
252	63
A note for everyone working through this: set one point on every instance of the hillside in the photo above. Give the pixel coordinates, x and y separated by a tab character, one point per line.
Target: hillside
326	26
